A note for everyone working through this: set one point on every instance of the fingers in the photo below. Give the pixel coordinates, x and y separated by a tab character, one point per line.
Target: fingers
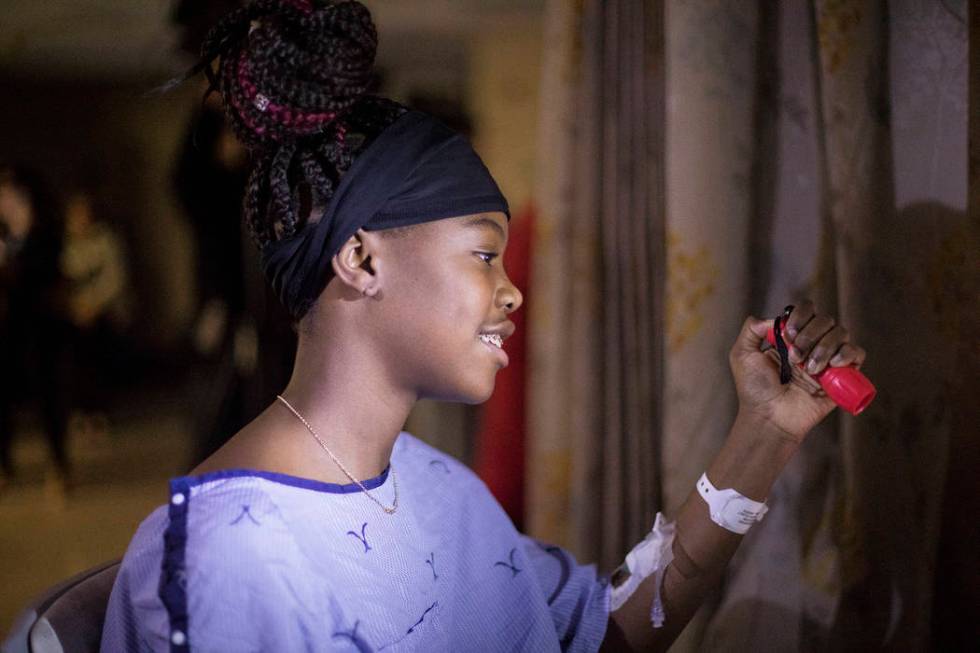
810	333
848	354
752	334
815	339
819	341
799	317
819	354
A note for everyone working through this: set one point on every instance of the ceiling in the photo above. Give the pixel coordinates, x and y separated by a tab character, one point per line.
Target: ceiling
109	39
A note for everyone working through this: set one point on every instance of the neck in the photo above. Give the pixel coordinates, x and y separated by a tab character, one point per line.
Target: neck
345	395
343	389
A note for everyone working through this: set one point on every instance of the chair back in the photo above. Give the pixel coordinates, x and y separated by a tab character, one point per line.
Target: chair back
68	617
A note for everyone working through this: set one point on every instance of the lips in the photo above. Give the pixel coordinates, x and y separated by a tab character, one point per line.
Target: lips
493	340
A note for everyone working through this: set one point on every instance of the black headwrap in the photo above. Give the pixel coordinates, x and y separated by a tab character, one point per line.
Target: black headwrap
417	170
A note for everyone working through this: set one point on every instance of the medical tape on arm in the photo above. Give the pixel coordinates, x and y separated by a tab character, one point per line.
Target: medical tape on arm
649	557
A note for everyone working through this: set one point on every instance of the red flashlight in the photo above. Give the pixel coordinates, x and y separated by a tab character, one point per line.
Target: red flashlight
846	386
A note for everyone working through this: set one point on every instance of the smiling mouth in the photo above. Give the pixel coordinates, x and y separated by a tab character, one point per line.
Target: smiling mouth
492	339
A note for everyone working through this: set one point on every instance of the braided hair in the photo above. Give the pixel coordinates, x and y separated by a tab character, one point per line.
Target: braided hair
294	76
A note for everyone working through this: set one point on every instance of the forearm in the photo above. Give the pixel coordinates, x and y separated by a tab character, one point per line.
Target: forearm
750	460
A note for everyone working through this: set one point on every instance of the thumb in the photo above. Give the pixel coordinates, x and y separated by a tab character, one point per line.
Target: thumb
753	333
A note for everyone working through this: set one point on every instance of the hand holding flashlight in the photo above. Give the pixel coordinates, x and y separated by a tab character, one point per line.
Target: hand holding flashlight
846	386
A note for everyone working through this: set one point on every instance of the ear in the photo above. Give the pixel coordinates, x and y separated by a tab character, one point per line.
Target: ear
355	265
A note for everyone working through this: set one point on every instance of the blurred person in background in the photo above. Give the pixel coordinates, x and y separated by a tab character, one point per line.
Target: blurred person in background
243	338
32	325
209	181
93	263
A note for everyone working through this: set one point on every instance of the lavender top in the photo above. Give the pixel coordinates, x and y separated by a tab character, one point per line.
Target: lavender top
244	560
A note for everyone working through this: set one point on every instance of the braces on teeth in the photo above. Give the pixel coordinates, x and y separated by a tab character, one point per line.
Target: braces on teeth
492	339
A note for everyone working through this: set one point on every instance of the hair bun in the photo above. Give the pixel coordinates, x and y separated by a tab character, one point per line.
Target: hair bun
302	65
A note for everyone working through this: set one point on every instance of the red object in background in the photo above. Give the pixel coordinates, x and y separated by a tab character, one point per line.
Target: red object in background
499	450
846	386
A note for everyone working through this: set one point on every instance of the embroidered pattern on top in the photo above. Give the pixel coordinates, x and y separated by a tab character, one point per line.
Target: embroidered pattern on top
511	565
432	563
354	638
245	513
412	629
441	464
422	618
362	538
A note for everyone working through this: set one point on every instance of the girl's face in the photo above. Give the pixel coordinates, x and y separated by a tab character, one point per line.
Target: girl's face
446	299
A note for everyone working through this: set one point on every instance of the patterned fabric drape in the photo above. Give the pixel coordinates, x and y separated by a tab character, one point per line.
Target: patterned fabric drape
814	148
898	233
593	482
869	173
783	587
710	144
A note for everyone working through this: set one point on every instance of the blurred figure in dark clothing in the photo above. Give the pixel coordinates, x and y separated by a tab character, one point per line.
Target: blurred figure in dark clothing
209	181
93	263
33	331
234	315
242	333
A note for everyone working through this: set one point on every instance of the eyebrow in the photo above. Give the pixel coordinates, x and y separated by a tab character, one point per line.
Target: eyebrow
482	221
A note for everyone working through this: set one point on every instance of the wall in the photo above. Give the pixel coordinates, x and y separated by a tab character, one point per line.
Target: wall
110	135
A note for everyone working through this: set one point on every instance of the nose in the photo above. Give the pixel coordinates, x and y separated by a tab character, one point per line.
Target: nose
509	297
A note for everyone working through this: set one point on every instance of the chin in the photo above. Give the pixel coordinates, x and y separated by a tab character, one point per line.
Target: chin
472	393
473	400
481	391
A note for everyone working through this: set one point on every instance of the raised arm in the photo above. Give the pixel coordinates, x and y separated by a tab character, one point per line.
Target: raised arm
771	423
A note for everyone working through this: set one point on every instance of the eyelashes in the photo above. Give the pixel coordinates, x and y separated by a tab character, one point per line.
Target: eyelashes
487	257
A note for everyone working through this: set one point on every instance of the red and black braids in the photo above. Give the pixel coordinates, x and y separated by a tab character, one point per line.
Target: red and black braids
294	75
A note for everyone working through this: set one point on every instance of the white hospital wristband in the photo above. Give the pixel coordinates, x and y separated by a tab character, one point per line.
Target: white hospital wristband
729	509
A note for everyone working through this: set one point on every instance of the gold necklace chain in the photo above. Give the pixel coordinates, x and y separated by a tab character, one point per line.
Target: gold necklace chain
394	477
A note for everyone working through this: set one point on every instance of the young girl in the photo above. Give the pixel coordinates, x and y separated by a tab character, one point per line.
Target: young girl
319	526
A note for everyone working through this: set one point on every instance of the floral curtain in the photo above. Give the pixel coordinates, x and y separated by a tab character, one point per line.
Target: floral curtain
811	149
593	484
